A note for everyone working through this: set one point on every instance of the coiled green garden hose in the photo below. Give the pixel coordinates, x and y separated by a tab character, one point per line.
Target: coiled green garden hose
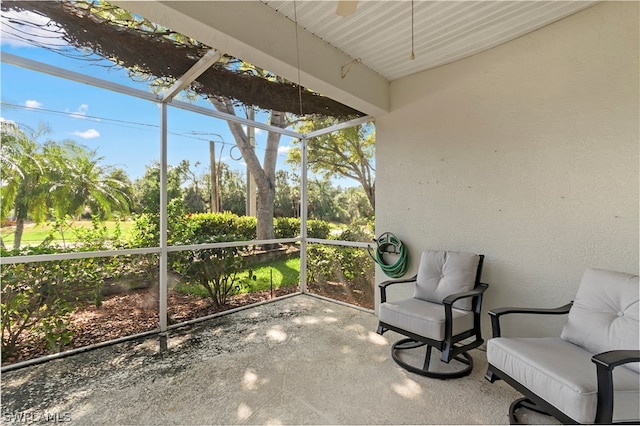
384	243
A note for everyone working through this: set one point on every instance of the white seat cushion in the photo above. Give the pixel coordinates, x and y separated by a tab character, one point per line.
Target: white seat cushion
424	318
562	374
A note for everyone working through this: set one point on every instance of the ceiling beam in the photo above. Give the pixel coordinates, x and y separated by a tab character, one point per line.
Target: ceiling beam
340	126
194	72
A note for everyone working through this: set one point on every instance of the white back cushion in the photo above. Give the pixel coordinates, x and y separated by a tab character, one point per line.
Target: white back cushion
605	314
442	273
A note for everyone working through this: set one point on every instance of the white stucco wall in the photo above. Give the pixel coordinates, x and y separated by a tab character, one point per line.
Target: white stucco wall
527	153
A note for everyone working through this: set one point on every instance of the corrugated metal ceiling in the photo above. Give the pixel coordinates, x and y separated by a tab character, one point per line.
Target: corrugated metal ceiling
379	33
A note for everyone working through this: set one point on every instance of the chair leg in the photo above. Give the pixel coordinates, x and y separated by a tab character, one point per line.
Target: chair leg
523	403
427	359
491	376
408	343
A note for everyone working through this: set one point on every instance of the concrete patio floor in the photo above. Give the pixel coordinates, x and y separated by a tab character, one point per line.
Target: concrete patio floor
298	360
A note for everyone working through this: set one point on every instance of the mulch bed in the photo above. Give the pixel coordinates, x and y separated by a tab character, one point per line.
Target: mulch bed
137	311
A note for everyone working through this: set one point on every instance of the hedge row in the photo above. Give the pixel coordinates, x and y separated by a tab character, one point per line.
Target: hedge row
243	228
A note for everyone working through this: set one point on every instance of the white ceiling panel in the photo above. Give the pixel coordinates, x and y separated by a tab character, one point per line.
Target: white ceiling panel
379	33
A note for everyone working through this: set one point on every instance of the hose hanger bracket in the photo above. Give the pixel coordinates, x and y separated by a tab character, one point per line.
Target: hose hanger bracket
387	243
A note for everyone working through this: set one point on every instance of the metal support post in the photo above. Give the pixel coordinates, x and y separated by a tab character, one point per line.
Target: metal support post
303	217
164	264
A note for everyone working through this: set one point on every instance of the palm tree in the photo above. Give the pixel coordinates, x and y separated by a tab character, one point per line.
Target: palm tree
80	181
65	177
23	180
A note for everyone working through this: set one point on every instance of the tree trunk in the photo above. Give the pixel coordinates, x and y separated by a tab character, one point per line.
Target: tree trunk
21	216
370	190
17	237
265	177
267	187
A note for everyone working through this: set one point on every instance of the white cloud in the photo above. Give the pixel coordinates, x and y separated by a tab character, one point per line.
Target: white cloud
256	131
81	112
87	134
282	150
33	104
40	31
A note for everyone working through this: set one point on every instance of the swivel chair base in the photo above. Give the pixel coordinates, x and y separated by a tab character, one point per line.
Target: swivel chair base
408	344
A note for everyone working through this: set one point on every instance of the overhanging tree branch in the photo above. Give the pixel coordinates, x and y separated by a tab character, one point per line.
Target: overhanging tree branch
167	55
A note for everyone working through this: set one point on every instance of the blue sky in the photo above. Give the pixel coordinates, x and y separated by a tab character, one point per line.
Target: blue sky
122	129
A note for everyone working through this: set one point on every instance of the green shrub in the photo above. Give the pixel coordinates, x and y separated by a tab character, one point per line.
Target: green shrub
246	227
360	230
318	229
98	237
287	227
145	231
335	263
320	262
36	297
350	266
223	226
215	269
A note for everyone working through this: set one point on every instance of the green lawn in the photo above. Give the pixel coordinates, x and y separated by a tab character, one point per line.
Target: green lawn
279	272
34	234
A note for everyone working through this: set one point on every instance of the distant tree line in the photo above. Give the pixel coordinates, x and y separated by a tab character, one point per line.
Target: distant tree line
184	182
42	180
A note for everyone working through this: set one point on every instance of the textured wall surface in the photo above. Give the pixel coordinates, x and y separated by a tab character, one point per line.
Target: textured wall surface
528	153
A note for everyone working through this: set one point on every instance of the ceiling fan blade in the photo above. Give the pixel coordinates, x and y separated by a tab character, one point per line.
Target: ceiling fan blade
346	7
